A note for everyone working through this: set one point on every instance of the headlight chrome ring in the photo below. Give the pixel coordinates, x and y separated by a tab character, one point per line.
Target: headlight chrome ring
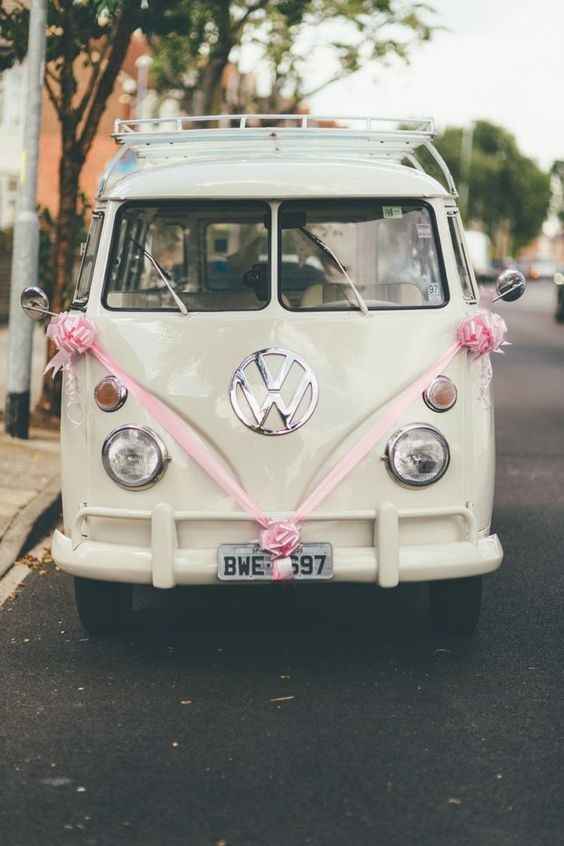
417	464
138	444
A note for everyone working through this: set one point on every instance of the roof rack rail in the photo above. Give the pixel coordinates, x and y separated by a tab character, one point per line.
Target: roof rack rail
206	136
182	123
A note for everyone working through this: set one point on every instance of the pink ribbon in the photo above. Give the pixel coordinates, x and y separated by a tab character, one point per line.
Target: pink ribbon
72	336
481	333
178	430
281	539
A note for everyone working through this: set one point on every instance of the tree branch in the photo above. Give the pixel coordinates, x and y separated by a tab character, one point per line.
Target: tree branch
336	78
94	76
261	4
51	93
67	80
50	75
106	82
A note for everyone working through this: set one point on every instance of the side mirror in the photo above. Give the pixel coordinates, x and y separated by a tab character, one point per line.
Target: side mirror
35	303
559	278
510	286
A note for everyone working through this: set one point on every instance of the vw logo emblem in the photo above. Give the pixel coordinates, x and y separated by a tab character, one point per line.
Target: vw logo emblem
273	391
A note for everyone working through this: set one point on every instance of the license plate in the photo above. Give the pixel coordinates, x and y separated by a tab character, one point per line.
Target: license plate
248	562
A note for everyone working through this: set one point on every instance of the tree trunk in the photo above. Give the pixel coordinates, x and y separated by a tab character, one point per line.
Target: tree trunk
66	231
212	86
79	123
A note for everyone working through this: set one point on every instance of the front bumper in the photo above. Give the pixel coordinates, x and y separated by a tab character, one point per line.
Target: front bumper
163	564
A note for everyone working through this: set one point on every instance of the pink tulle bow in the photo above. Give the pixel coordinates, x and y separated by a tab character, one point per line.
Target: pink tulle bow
281	539
482	333
72	335
282	570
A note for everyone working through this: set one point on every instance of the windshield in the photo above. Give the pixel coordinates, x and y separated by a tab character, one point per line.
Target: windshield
214	257
388	251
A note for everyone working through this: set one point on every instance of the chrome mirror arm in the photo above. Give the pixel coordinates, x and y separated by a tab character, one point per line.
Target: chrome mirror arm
502	296
41	311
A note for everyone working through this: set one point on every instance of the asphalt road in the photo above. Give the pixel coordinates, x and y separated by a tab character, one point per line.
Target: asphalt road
170	735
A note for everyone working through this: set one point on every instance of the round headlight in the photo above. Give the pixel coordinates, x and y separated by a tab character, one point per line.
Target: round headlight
134	457
418	455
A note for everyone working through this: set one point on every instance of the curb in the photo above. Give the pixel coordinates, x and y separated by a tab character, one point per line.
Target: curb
31	523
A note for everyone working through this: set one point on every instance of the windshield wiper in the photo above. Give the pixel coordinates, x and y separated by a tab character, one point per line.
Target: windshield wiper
328	251
163	274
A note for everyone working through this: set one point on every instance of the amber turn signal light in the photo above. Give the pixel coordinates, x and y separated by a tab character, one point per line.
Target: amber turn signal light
110	394
441	394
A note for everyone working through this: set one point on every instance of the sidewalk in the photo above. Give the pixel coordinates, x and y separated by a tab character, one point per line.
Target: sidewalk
29	489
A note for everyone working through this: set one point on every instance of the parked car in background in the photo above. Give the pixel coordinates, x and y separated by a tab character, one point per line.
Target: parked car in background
479	250
538	270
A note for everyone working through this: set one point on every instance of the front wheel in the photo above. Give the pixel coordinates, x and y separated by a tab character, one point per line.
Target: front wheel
102	606
455	605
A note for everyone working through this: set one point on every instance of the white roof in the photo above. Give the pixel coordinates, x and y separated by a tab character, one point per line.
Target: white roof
272	179
273	156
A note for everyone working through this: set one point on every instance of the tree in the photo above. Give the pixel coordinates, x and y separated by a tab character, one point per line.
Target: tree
507	190
194	40
283	35
93	35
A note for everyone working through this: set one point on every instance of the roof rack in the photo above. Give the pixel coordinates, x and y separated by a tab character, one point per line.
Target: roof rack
182	123
152	141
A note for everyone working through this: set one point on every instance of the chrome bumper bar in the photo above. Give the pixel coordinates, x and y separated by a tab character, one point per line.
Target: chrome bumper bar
165	565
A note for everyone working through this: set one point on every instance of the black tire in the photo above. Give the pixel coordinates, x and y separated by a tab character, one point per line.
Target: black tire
455	605
102	606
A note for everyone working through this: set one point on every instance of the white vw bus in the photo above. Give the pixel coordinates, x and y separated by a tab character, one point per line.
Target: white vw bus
276	282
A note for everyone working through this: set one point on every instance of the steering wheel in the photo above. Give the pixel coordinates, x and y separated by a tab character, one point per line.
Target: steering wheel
257	279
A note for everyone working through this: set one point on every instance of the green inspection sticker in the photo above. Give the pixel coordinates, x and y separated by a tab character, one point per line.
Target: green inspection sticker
392	211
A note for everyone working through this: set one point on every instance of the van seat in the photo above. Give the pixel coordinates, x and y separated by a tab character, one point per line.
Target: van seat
402	294
312	296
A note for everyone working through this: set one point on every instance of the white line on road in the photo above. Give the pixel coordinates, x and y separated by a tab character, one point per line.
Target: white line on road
13	578
20	571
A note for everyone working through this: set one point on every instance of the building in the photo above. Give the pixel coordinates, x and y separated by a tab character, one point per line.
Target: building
12	83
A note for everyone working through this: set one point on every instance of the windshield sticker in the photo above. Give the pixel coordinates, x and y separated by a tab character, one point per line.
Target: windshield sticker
433	293
424	230
392	211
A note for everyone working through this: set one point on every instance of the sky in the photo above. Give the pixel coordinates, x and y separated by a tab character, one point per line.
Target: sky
502	60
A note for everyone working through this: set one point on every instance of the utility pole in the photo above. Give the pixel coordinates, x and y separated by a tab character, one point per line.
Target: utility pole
26	234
